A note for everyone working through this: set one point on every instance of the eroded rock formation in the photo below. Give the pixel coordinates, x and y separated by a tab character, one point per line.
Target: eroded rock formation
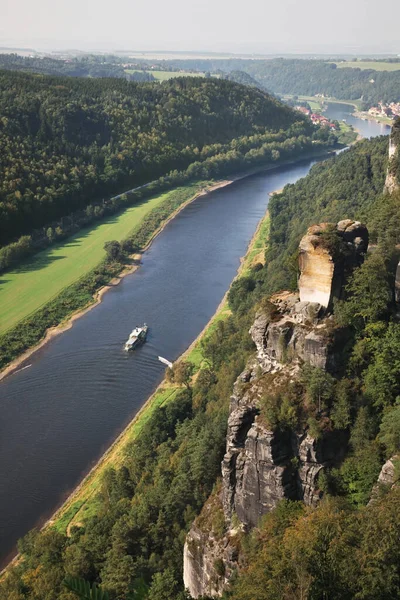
326	254
388	477
392	182
264	464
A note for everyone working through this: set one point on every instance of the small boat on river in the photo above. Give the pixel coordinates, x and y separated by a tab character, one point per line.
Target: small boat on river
136	337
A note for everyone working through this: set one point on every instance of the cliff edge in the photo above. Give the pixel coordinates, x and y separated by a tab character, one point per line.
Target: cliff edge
392	182
271	451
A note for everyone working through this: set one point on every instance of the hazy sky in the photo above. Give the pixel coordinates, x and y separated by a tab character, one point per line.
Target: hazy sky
213	25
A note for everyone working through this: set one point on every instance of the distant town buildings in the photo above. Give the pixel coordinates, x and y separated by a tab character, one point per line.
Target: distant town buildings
316	118
385	110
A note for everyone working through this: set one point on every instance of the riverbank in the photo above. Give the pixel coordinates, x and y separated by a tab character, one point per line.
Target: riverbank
367	117
135	259
82	503
68	319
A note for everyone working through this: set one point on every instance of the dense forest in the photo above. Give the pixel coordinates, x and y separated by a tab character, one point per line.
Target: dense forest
66	142
277	75
307	77
85	66
133	544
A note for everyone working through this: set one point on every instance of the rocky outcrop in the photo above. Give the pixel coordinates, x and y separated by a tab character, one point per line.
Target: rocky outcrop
210	553
392	183
326	254
388	477
264	464
292	334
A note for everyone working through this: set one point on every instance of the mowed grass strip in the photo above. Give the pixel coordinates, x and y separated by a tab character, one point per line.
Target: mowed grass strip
38	280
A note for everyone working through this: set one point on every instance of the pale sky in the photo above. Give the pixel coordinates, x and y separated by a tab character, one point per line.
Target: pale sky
210	25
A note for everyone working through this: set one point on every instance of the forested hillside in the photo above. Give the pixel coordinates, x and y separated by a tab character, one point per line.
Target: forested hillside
66	142
85	66
308	77
135	539
346	186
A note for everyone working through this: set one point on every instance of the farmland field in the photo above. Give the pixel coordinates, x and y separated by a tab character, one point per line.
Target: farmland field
36	281
376	66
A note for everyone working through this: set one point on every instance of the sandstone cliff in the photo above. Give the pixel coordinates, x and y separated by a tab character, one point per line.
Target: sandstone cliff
392	182
265	462
388	477
326	254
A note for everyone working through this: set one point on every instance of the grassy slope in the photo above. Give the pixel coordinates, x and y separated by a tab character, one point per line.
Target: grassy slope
83	502
364	64
38	280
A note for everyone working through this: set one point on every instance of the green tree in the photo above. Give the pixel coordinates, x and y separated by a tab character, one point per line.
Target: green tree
369	292
183	372
382	377
165	586
389	431
319	386
113	251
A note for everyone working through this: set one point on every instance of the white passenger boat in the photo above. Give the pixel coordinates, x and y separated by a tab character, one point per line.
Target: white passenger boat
136	337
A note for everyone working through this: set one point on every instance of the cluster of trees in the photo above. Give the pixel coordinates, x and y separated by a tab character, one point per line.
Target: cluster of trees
279	75
240	77
333	552
67	142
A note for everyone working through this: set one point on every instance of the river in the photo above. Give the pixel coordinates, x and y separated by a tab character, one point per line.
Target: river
366	128
59	415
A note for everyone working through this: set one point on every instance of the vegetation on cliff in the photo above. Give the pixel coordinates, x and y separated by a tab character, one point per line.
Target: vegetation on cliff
347	186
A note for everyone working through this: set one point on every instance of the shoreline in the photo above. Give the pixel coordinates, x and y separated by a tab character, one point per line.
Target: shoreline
52	332
117	446
363	115
65	325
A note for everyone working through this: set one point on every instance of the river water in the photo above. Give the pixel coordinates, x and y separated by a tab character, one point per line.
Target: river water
59	415
365	127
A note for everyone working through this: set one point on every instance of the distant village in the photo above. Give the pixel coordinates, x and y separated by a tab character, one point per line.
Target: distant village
316	118
385	110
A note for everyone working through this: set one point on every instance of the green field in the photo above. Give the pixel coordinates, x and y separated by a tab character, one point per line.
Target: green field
364	64
35	282
164	75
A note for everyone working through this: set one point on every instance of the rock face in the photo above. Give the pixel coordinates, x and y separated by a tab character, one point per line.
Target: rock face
388	477
263	465
392	182
210	554
326	254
